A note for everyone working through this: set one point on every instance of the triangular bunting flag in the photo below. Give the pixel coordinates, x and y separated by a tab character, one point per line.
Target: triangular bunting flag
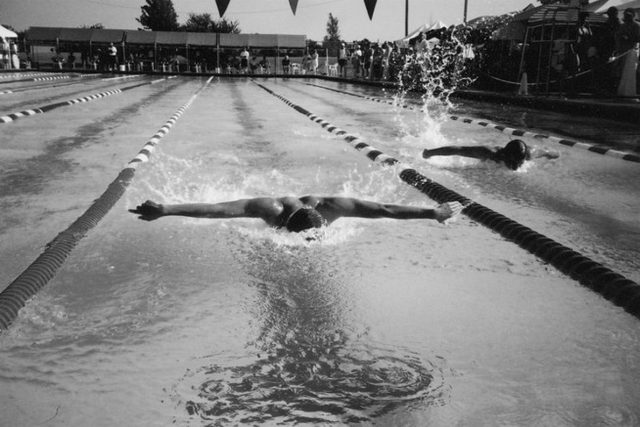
371	6
222	6
294	5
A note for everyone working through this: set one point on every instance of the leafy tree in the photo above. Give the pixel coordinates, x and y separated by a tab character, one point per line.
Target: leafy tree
333	32
226	26
158	15
203	23
97	26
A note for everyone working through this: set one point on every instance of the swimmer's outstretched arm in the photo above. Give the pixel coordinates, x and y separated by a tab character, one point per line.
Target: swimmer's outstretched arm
263	208
477	152
348	207
538	153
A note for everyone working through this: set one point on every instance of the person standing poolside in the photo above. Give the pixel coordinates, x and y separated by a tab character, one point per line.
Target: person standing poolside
356	59
342	61
286	64
244	61
422	46
313	64
297	214
628	37
112	53
606	74
511	155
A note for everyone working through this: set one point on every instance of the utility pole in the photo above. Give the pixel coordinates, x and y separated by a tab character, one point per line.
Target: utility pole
466	3
406	18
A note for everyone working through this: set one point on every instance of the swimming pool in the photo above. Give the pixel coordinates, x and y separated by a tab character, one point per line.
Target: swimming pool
198	322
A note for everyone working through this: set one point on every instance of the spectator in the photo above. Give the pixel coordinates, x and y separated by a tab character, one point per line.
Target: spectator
605	73
244	60
264	65
386	54
628	37
313	66
286	65
71	59
367	60
356	59
112	53
422	46
254	65
342	60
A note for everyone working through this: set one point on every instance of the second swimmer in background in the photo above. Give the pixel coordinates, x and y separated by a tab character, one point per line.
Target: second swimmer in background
511	155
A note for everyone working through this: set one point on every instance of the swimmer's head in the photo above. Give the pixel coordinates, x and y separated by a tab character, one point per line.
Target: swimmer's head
515	153
304	218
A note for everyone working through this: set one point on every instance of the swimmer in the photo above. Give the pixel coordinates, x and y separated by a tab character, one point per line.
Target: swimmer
512	155
297	213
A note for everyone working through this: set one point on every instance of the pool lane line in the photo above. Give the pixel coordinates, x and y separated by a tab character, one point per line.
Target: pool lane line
61	84
595	276
38	79
594	148
14	75
31	112
44	268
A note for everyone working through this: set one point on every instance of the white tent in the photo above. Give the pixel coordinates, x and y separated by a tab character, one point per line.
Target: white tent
601	6
5	33
8	56
404	42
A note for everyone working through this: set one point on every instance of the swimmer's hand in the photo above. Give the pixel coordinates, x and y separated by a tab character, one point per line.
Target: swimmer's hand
148	211
447	210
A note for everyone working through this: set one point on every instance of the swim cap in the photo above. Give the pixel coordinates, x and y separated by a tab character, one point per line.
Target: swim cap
515	153
303	219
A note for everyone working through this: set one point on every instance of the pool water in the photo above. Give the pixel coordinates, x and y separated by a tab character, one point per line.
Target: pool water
220	322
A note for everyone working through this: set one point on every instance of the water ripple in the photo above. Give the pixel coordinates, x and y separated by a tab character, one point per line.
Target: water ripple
337	385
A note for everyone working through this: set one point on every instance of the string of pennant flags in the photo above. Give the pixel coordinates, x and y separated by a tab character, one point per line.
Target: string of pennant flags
223	4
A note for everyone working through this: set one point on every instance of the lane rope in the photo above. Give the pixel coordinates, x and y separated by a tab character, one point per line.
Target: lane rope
594	148
611	285
14	75
42	79
31	112
44	268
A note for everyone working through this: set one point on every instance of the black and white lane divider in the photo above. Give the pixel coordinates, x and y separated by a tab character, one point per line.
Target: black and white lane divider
49	78
613	286
26	113
14	75
45	267
595	148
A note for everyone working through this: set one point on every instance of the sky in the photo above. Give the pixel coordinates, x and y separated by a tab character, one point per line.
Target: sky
262	16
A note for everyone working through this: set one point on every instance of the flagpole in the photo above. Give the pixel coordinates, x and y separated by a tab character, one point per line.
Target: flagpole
466	3
406	18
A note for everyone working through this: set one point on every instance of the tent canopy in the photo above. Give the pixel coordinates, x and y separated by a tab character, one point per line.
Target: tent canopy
74	34
106	36
140	37
6	33
43	34
601	6
560	13
424	28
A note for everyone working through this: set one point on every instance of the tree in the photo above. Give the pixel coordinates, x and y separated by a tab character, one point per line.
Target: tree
158	15
224	26
333	32
203	23
97	26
